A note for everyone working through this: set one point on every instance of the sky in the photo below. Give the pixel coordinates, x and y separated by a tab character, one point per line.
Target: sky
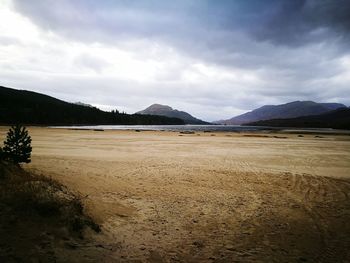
212	58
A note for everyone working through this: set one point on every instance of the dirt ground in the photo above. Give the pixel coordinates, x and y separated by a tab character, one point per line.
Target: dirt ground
206	197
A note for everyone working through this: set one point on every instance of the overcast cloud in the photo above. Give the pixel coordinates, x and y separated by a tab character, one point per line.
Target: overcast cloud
213	59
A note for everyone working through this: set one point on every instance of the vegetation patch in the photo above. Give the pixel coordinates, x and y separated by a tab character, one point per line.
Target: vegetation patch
28	194
34	207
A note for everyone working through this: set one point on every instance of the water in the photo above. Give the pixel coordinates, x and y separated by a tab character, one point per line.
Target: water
207	128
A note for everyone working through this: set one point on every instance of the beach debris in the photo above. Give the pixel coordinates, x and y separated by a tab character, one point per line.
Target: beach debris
187	132
256	135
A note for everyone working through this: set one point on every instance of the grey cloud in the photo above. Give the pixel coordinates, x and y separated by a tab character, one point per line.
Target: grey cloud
90	62
214	31
301	21
7	41
293	45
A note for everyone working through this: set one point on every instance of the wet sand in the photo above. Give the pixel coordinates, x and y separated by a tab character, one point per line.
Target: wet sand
208	197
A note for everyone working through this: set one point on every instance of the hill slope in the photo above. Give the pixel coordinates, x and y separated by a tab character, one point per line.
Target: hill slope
164	110
27	107
283	111
336	119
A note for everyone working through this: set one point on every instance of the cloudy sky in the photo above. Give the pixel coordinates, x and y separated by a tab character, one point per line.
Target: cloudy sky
214	59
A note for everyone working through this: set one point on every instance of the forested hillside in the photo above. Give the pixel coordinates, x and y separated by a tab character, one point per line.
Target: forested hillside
31	108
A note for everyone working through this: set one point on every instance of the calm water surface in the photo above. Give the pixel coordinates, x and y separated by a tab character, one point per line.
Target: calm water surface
208	128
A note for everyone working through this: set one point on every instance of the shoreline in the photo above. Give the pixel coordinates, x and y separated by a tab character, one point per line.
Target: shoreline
199	129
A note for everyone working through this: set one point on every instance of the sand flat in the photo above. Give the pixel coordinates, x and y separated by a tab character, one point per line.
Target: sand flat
162	197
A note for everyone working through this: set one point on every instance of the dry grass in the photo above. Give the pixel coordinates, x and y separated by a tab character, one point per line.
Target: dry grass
31	205
27	194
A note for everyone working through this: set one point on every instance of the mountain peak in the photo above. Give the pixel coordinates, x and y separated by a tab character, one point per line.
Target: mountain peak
165	110
156	106
83	104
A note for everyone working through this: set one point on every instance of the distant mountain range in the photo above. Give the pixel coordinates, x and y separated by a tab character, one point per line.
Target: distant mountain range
31	108
164	110
283	111
336	119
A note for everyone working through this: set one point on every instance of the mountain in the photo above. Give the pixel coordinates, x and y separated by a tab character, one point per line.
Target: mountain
83	104
27	107
336	119
164	110
283	111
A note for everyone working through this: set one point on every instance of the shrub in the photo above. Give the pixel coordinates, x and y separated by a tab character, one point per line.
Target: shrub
29	196
1	154
17	146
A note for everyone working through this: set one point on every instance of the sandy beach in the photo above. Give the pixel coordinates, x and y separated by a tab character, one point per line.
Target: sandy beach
206	197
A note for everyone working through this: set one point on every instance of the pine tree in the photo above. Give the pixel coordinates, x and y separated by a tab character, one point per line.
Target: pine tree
1	154
17	146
